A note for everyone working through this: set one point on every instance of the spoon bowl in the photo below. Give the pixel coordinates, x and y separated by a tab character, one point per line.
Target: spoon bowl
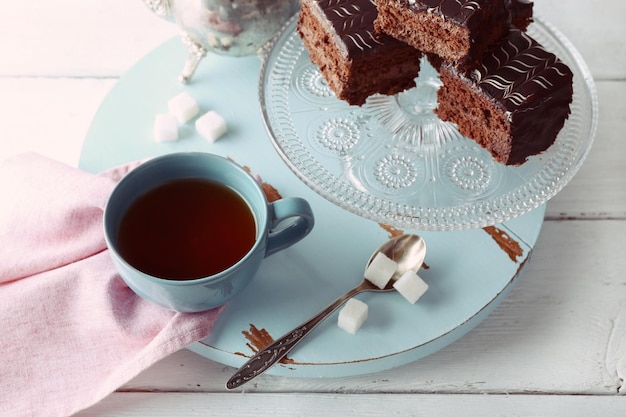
407	250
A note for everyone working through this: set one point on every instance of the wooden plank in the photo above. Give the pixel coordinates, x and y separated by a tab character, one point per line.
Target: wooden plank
309	405
560	331
49	116
99	38
598	190
595	30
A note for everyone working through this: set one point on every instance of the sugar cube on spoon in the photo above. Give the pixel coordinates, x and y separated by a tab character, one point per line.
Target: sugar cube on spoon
381	270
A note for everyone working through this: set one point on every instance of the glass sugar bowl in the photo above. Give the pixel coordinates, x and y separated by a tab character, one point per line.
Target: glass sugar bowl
228	27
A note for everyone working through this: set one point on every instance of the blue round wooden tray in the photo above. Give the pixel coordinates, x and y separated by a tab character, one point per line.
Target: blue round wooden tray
469	272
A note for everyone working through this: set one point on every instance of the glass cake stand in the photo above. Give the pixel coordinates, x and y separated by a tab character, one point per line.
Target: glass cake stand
394	161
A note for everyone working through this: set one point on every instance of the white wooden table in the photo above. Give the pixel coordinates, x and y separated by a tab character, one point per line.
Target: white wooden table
557	344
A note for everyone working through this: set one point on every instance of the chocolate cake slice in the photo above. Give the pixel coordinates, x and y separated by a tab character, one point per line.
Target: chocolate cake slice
355	61
514	103
458	31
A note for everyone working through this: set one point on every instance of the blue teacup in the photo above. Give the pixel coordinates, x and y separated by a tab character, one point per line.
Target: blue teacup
279	225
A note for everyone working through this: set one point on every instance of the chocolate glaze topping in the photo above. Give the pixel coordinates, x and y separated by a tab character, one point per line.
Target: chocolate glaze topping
462	12
353	21
520	73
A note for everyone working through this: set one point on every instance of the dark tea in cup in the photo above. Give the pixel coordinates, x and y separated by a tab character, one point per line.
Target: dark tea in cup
186	229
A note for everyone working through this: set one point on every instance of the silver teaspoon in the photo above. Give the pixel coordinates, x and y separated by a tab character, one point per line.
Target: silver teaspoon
408	251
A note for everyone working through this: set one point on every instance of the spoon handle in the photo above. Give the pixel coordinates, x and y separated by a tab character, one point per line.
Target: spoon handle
274	352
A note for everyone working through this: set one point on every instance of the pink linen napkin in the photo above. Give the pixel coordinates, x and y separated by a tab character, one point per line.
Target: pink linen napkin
72	331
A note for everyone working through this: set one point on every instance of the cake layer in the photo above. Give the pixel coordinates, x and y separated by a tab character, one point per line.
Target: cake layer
355	61
514	103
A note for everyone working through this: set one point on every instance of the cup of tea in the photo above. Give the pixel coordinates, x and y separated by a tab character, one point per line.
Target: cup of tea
188	231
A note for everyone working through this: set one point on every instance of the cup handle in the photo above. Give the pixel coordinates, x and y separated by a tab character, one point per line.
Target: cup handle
280	238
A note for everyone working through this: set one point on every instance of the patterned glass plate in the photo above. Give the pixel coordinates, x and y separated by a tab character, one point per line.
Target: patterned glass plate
393	161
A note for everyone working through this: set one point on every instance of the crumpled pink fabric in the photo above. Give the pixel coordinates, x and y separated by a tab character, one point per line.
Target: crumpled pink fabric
71	330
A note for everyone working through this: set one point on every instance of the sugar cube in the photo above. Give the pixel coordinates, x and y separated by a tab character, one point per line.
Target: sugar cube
352	315
380	270
411	286
165	128
183	106
211	126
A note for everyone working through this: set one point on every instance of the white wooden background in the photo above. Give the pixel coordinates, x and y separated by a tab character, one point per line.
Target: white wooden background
555	347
